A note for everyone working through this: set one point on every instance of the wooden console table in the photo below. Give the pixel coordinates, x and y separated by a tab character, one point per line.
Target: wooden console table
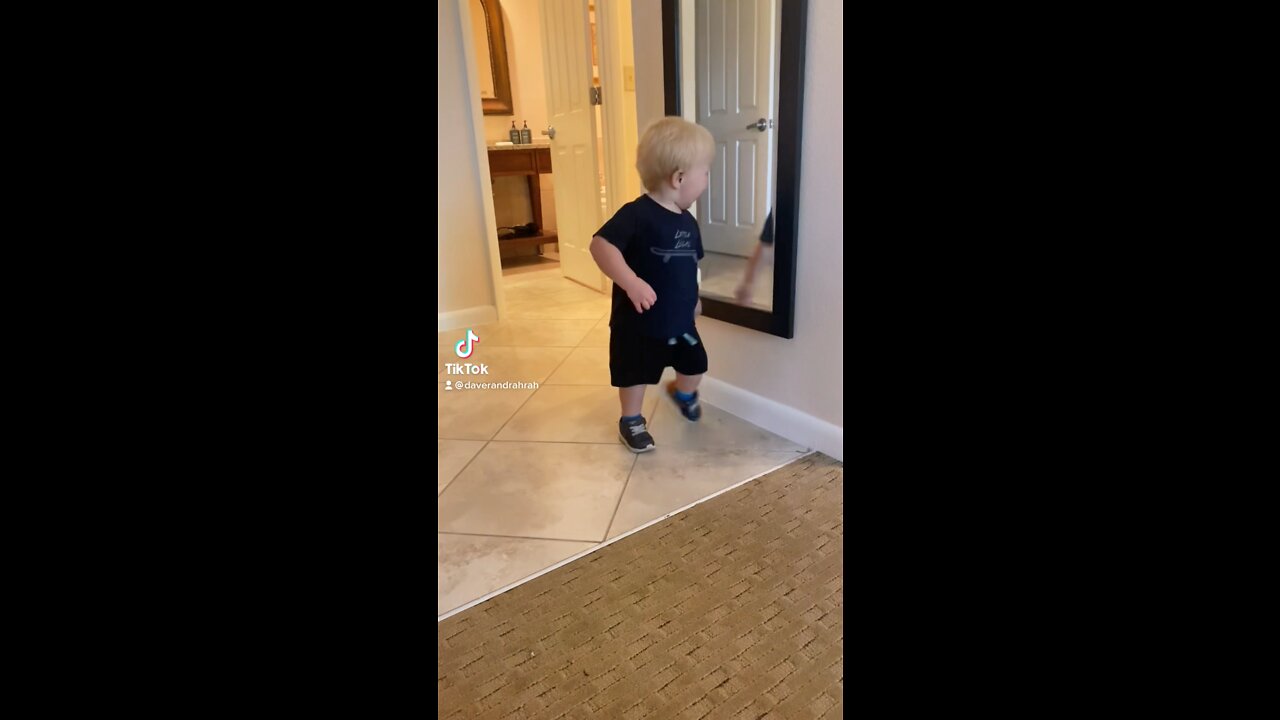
530	161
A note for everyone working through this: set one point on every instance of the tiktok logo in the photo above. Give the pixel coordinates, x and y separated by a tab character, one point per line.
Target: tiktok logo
470	341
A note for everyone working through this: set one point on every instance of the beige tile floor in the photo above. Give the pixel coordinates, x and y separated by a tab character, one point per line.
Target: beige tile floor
527	478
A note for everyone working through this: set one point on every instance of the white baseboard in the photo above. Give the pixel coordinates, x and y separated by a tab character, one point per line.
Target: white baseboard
775	417
467	317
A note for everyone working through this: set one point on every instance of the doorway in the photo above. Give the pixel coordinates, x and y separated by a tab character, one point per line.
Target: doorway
567	62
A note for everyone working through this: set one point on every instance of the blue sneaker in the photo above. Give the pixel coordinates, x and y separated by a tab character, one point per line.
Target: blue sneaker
690	408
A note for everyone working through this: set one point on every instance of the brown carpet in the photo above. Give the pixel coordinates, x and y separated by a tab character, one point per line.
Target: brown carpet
733	609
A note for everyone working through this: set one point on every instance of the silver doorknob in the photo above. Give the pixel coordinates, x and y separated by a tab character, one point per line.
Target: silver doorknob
760	125
550	132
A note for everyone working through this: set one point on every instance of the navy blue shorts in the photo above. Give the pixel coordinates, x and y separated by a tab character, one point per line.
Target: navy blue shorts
638	360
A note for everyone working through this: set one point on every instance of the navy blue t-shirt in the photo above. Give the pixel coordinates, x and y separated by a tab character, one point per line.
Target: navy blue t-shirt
663	248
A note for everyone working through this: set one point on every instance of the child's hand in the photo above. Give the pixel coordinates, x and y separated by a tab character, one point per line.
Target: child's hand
641	295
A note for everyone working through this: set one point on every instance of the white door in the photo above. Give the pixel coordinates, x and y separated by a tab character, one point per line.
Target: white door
735	54
566	57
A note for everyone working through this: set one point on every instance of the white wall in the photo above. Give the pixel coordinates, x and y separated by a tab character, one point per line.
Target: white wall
792	387
468	280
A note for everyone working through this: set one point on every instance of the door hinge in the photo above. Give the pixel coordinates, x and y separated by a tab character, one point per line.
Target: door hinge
595	95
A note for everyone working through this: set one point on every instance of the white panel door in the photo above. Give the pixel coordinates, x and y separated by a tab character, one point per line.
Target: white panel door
734	58
566	56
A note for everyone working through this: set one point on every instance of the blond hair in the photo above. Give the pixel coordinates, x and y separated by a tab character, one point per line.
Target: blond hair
670	145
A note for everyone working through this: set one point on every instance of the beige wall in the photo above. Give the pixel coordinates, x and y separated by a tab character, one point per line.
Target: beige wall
631	131
646	33
467	288
804	373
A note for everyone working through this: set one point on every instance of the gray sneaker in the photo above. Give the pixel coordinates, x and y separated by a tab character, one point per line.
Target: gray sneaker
635	435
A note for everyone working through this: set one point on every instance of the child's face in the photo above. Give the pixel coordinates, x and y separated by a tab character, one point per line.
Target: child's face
693	183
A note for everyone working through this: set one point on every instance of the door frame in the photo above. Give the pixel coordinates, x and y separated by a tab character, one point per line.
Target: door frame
620	134
482	159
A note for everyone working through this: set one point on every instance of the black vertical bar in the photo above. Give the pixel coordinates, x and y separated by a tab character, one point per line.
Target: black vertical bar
795	15
671	54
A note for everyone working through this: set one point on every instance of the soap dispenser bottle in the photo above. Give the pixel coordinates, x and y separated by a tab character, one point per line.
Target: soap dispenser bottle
526	135
514	134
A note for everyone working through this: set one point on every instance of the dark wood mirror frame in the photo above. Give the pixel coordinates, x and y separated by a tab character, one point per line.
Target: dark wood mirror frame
500	105
794	17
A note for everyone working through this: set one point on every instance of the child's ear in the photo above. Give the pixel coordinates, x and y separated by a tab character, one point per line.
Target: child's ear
677	177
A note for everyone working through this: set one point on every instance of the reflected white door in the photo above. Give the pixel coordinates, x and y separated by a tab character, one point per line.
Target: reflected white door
566	57
734	53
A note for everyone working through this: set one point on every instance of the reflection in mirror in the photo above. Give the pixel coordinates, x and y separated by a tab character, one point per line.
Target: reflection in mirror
490	41
736	67
734	85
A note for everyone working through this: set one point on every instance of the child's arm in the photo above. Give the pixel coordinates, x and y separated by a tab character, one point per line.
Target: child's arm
611	262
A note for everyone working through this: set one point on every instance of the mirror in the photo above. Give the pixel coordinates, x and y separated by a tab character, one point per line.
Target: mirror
490	40
736	67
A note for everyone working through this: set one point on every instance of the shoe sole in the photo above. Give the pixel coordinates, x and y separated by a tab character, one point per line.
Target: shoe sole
623	440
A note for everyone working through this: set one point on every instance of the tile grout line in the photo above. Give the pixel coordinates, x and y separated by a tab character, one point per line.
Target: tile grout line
606	543
526	400
613	518
464	467
622	494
